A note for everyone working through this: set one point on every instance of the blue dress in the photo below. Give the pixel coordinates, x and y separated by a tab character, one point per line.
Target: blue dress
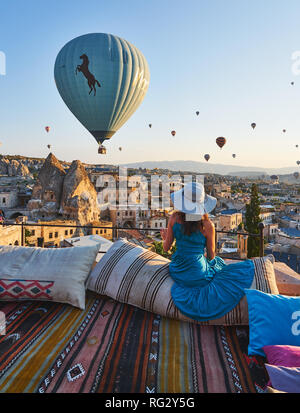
205	290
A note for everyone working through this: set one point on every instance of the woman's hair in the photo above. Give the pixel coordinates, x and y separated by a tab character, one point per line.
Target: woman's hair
189	226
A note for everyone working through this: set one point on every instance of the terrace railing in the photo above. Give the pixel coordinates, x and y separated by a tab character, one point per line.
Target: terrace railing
117	229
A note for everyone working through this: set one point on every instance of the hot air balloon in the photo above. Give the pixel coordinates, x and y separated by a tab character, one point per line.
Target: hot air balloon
49	146
298	162
221	142
120	149
296	175
292	83
284	130
150	125
102	79
253	125
233	155
207	157
173	133
197	113
47	128
296	146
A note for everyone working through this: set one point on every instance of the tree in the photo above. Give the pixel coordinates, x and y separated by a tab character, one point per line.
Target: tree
252	221
159	249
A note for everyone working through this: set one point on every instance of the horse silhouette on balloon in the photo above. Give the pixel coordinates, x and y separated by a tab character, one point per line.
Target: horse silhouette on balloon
84	69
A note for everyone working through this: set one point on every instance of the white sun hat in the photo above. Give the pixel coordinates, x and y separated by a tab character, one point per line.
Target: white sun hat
193	201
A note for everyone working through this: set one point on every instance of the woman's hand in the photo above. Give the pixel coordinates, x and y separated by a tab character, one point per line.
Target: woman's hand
163	233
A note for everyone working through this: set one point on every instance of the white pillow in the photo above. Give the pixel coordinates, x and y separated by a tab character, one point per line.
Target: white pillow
47	274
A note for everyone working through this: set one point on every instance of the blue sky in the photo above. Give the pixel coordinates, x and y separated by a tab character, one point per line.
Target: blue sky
229	59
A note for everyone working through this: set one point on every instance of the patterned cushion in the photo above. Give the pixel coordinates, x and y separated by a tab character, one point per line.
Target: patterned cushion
131	274
46	274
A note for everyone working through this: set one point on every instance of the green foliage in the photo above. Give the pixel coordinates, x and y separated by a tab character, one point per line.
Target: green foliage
27	234
159	249
252	221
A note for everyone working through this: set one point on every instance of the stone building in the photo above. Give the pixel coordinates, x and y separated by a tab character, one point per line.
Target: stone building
10	235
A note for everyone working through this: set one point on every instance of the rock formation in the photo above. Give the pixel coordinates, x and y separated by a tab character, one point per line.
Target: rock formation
13	167
69	195
47	191
79	197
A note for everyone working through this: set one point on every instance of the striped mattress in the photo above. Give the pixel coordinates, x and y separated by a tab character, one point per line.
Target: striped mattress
116	348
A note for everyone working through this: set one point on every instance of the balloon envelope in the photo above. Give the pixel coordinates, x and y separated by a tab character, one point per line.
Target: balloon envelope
173	132
233	155
253	125
207	157
102	79
221	142
47	128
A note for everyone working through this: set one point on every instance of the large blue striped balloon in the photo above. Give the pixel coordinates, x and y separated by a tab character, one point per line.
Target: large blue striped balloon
102	79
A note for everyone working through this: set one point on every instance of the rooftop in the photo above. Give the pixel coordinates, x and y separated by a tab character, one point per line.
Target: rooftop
229	212
291	232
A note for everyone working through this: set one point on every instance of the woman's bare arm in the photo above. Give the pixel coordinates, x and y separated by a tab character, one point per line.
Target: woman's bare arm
167	234
209	232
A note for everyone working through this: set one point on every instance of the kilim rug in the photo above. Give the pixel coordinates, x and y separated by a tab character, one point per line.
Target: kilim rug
112	347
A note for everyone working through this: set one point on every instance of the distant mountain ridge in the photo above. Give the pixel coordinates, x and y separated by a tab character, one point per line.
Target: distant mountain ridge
201	167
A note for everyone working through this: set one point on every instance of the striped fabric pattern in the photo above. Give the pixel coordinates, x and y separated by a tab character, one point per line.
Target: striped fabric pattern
131	274
115	348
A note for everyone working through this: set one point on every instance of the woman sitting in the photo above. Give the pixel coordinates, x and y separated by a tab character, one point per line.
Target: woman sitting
205	287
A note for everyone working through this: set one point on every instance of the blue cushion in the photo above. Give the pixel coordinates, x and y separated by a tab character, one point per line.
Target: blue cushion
273	320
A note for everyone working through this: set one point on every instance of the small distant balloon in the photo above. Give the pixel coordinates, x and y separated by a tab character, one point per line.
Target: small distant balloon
150	125
292	83
253	125
120	149
197	113
296	175
296	146
47	128
207	157
173	133
283	130
49	146
234	155
221	142
298	162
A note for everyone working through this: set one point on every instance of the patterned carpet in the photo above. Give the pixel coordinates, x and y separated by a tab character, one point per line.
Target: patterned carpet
117	348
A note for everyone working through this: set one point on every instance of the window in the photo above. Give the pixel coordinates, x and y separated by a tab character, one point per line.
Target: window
96	231
56	235
104	231
33	232
101	231
71	231
3	200
66	232
50	235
